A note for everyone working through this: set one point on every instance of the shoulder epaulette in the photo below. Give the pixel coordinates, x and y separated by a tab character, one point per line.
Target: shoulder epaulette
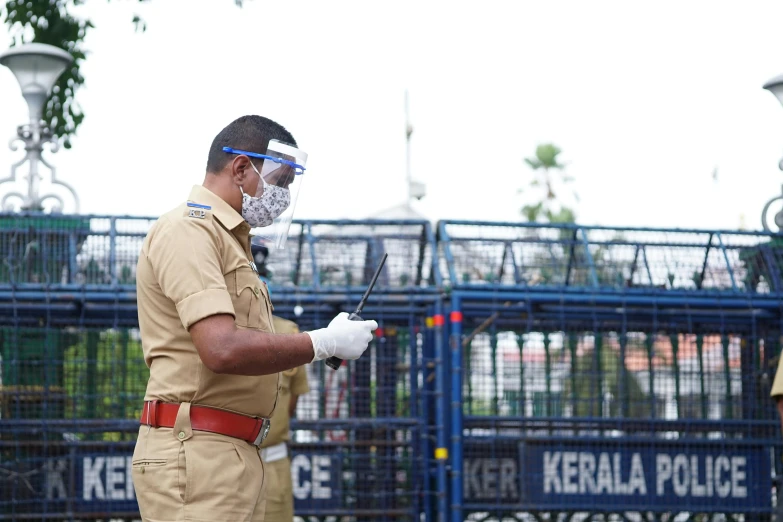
197	210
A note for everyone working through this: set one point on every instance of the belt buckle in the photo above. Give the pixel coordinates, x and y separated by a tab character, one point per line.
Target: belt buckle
263	432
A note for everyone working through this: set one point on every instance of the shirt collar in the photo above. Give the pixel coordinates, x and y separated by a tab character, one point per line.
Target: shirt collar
220	209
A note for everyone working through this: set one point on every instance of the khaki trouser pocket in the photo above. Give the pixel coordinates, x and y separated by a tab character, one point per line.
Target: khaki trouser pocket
280	499
143	463
223	479
207	477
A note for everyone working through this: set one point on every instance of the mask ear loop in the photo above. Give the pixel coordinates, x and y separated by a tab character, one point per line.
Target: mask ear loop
265	184
241	190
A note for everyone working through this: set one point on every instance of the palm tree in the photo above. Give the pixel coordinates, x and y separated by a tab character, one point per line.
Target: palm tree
547	170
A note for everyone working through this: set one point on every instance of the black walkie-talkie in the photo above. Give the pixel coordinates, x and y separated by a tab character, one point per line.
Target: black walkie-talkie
335	362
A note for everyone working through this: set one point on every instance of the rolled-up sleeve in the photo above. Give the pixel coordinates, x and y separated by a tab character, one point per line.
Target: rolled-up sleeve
187	262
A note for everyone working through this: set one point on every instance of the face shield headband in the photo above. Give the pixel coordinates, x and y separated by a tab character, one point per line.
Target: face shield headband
297	169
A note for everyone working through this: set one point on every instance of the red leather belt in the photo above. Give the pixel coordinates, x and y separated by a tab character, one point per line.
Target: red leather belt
202	418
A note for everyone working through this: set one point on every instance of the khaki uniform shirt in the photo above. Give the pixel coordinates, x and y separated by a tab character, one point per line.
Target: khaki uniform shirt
777	384
292	382
195	262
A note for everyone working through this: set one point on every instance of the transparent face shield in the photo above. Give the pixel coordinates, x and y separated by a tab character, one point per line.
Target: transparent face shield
281	170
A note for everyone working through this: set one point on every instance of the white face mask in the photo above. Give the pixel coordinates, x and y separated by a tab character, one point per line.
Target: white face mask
262	211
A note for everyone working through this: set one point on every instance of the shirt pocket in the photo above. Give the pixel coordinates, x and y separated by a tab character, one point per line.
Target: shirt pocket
266	301
284	382
247	295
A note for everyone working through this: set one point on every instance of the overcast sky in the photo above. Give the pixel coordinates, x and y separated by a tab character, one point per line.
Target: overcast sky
644	101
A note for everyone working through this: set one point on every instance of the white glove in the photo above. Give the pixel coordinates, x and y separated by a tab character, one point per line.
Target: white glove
343	338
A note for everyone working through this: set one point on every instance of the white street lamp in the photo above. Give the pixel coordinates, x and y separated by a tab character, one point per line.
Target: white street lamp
775	86
36	67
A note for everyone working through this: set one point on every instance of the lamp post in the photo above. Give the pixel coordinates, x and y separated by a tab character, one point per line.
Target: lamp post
36	67
416	189
775	86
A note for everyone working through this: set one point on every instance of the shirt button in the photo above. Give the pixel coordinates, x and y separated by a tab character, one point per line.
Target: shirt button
181	435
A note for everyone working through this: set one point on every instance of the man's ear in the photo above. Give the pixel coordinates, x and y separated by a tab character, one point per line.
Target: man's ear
239	167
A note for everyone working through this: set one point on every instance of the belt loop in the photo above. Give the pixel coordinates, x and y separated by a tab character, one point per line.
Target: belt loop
152	413
257	428
182	427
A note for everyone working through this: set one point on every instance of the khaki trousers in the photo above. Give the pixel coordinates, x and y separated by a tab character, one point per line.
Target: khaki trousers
279	493
181	475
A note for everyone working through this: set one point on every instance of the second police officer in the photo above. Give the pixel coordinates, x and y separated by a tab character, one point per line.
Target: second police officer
293	384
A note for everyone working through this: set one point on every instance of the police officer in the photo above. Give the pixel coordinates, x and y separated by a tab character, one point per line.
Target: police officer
207	335
777	395
777	390
274	450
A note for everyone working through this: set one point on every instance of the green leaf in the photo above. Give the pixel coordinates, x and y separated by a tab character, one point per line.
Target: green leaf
546	155
531	212
51	22
533	163
564	215
139	24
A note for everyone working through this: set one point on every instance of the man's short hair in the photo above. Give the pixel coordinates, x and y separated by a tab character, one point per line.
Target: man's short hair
250	133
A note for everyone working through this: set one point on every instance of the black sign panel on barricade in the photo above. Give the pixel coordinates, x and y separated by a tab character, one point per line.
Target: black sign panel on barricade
317	480
727	476
101	482
492	472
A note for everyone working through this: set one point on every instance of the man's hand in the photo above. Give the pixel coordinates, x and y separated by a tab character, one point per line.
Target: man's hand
342	338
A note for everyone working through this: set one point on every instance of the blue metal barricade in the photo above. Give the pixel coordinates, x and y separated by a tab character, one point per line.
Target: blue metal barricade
612	372
72	375
519	371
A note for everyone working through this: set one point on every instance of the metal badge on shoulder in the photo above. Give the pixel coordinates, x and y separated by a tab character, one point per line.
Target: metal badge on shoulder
198	211
253	266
